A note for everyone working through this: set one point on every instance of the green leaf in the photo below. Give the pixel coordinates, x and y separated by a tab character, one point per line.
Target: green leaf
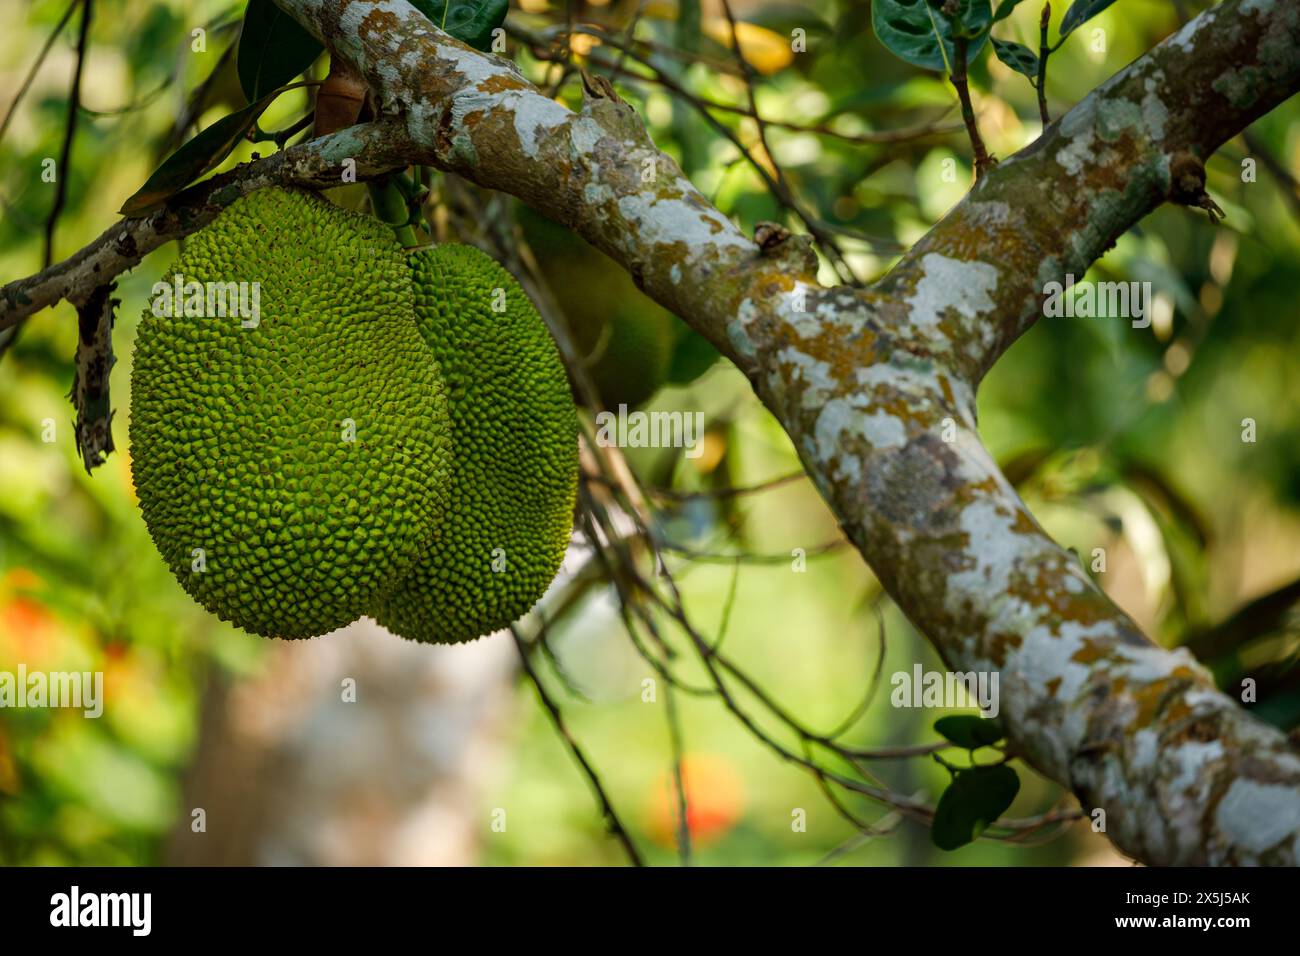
693	355
1017	56
200	155
1080	12
911	30
273	49
975	799
1005	10
470	21
969	731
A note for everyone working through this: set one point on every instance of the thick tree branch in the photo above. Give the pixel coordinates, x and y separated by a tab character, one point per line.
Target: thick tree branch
375	147
876	386
1138	140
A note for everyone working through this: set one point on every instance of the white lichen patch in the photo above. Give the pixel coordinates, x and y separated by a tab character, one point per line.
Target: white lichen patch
662	221
1258	816
808	323
596	194
1185	38
1078	130
884	430
837	417
534	115
1154	112
584	135
951	285
993	212
842	417
1144	750
1146	664
1115	116
814	375
904	379
993	546
1045	664
1191	759
738	330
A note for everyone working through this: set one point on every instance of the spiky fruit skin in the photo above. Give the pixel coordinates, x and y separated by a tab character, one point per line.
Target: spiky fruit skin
515	442
239	435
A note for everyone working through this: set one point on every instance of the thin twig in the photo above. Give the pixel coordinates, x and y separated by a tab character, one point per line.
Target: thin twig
62	172
606	807
784	192
983	161
36	65
679	781
1043	53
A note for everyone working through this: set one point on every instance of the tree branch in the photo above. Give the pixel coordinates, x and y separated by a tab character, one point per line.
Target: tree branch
876	386
376	148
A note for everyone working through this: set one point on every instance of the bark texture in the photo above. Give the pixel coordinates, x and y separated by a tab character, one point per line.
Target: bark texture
876	386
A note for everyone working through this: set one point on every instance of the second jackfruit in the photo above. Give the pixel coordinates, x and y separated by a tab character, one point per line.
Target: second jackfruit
515	447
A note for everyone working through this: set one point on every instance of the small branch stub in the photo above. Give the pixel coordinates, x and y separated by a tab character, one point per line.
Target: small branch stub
1187	185
793	251
94	362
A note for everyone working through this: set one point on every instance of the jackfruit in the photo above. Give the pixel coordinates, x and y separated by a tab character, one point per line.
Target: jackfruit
290	466
515	438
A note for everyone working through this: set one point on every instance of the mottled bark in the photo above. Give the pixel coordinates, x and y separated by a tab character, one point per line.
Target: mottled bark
876	386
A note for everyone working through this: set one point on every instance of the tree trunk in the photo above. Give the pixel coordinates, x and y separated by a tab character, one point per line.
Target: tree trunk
288	772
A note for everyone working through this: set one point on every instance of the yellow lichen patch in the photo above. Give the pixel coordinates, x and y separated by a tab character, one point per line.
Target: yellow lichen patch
1000	643
1025	523
1149	699
1091	652
379	23
1045	590
500	83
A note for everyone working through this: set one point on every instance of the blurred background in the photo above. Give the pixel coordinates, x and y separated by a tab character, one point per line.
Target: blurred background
358	747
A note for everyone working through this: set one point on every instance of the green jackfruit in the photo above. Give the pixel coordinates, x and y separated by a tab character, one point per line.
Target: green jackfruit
306	456
514	433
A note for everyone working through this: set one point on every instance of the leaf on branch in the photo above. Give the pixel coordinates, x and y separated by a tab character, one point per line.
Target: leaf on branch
200	155
693	355
273	49
975	799
912	29
1005	10
969	730
470	21
1080	12
1017	56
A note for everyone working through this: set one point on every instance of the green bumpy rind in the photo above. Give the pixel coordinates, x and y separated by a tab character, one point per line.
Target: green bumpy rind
238	435
515	444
